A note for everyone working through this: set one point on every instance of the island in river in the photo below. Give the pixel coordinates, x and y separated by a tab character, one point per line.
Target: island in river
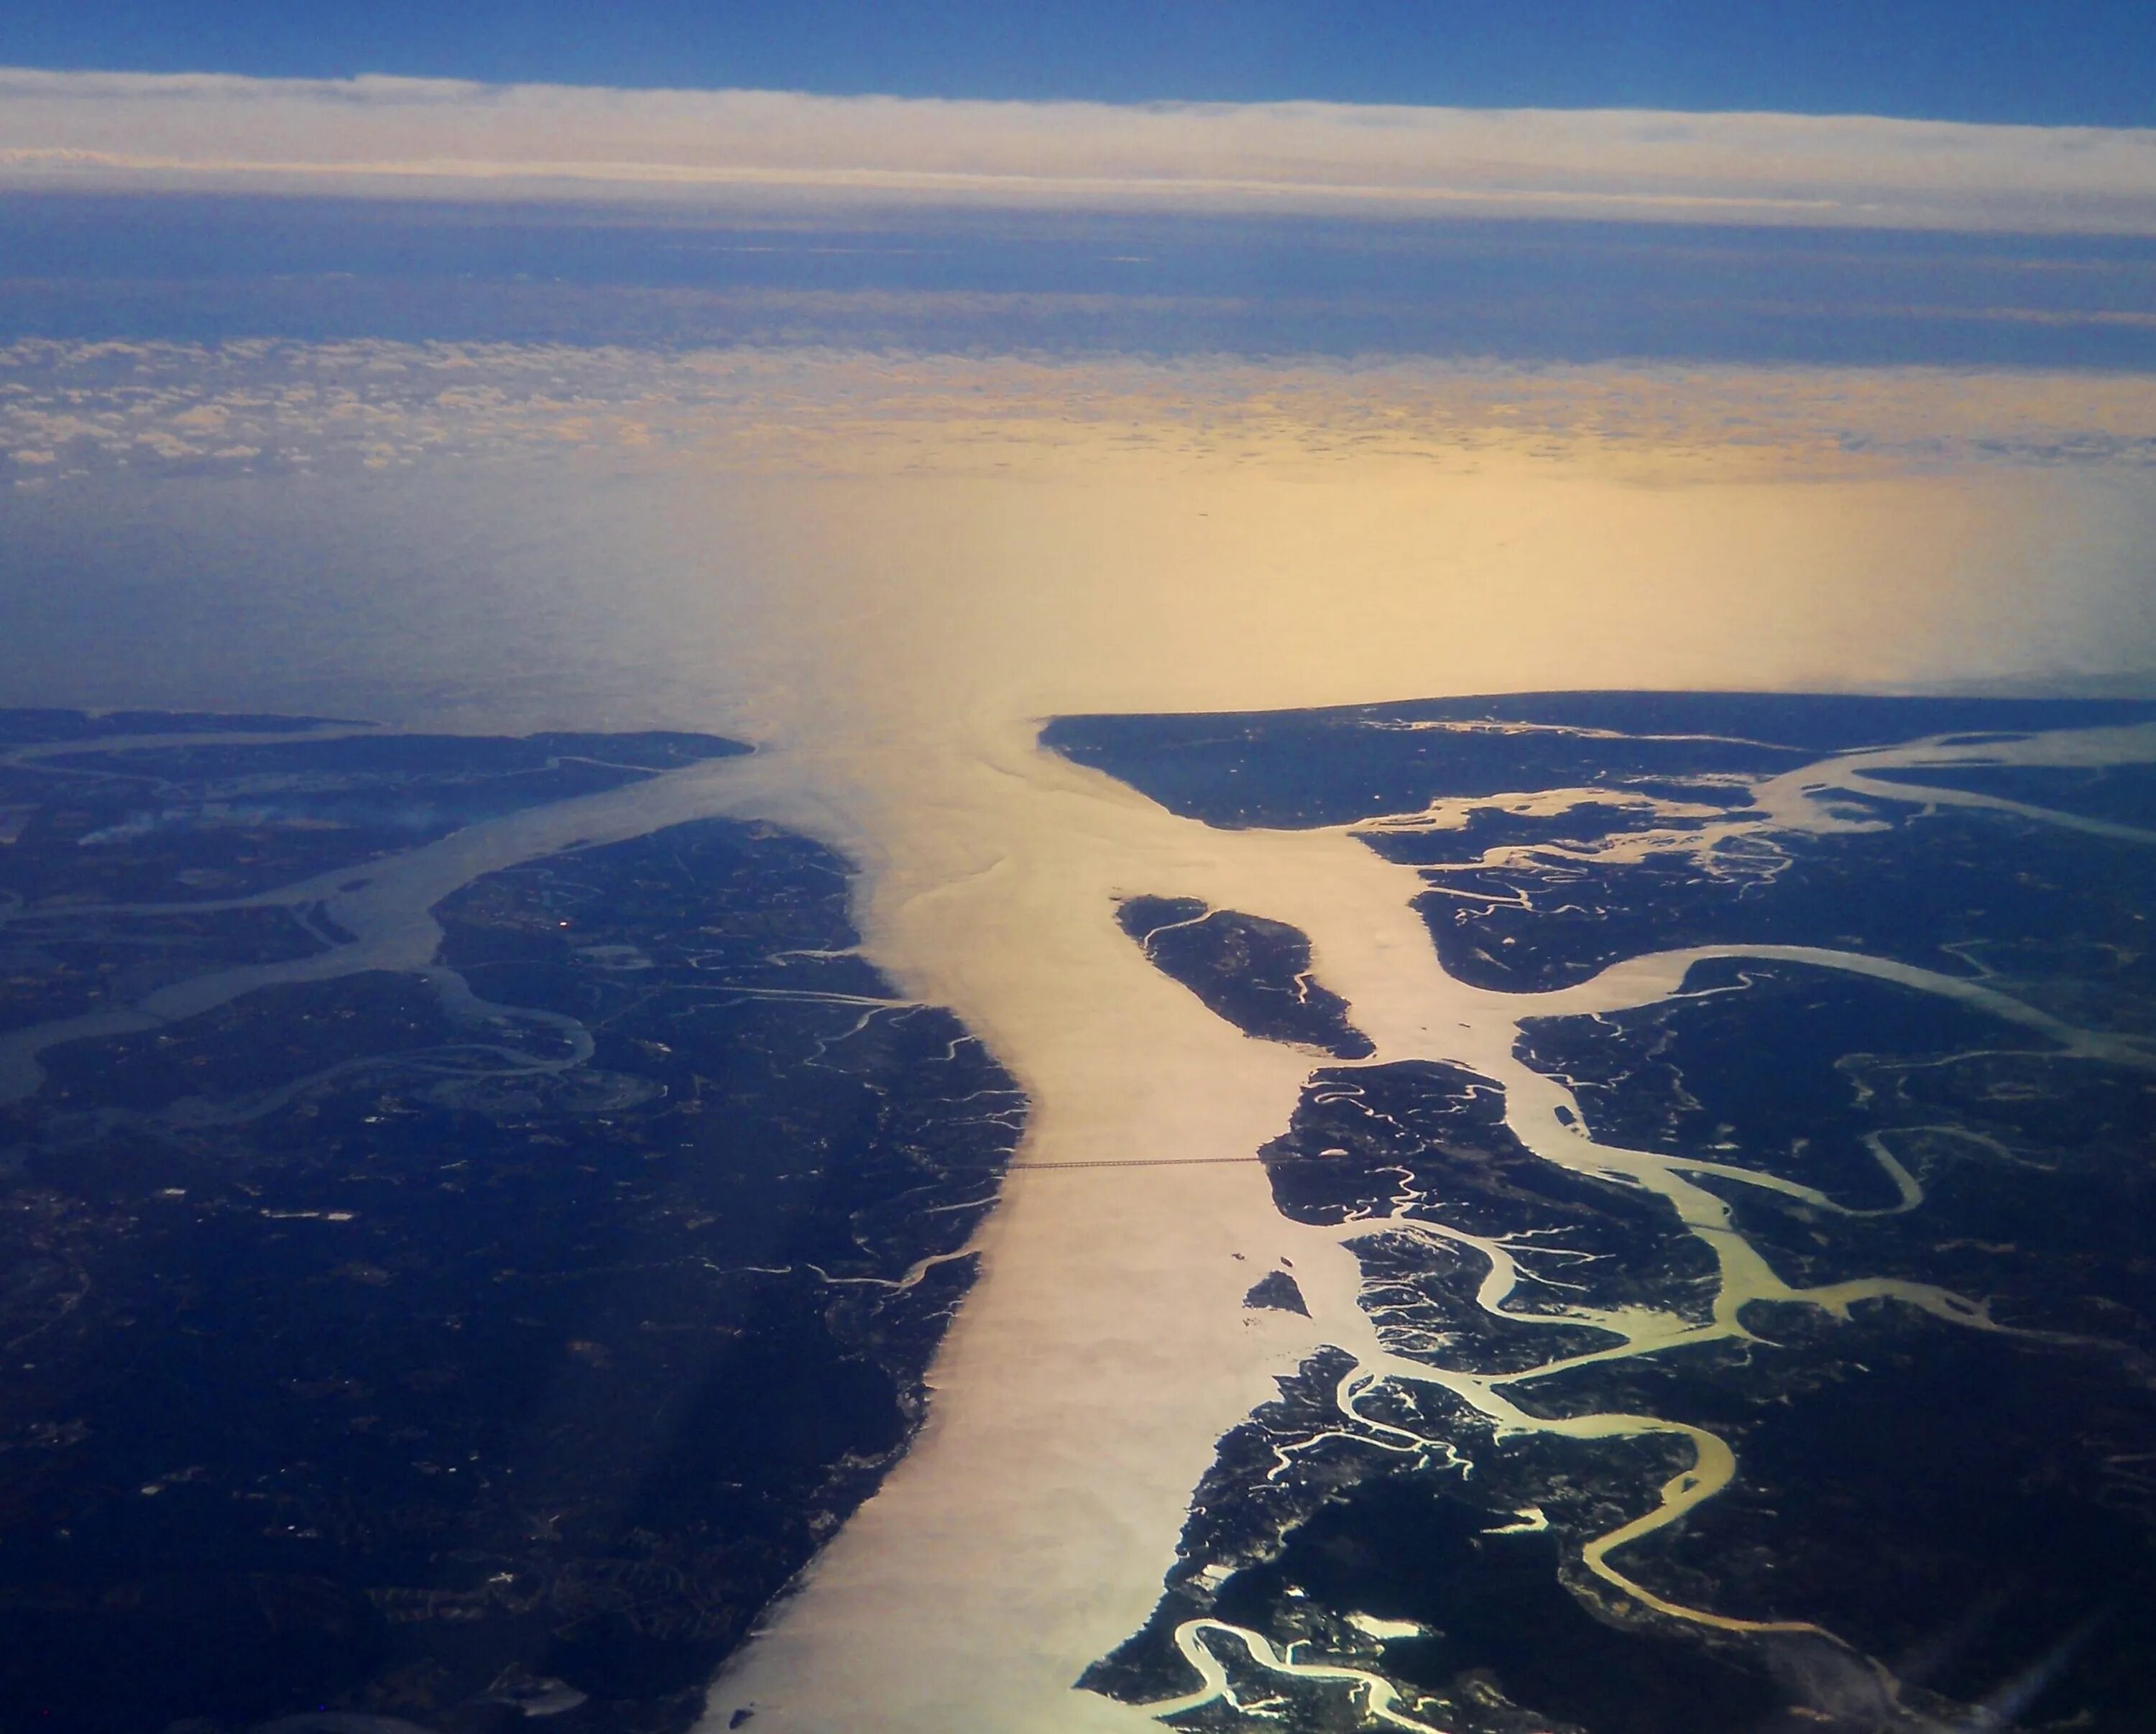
478	1341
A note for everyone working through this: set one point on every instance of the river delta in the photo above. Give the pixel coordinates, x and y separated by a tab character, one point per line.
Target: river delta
1606	1212
1759	1335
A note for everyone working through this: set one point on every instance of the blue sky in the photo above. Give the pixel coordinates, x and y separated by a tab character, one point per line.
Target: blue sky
164	175
2049	62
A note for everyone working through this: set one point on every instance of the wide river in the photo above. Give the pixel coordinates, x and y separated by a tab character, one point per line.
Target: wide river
890	643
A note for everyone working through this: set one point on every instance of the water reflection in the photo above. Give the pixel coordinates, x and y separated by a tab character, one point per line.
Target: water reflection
891	632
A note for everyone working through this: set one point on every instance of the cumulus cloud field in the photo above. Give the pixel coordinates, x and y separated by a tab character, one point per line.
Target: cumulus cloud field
69	410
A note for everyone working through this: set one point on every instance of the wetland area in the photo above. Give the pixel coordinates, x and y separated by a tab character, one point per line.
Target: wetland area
1765	1342
1669	1172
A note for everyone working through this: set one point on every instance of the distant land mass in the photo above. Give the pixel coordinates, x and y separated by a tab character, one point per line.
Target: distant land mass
1294	768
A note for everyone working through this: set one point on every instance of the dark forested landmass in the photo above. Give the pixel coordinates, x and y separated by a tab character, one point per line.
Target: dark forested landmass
1253	971
463	1346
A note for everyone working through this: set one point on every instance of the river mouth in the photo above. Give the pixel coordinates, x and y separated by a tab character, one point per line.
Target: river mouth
1578	1265
889	639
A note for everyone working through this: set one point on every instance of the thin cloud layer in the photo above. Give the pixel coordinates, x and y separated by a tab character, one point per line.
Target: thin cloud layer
71	410
422	138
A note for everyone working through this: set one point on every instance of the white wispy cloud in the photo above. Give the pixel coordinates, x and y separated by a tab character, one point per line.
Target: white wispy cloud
439	138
